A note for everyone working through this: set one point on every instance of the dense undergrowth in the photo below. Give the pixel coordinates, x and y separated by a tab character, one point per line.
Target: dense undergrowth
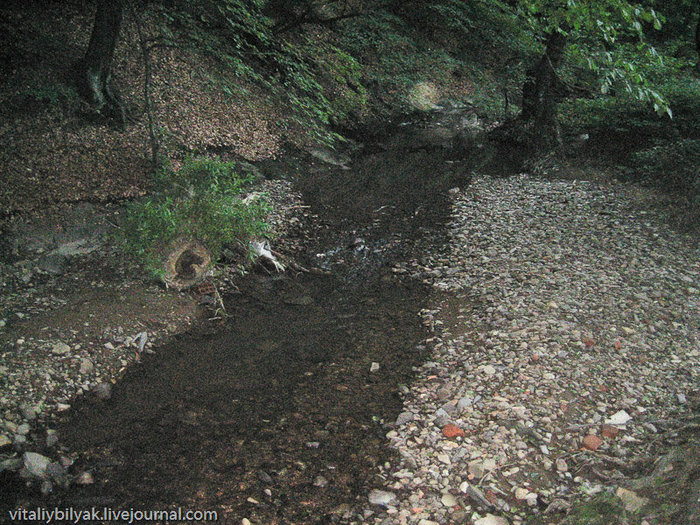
203	200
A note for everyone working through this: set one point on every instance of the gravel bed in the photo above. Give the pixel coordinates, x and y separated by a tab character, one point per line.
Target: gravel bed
564	348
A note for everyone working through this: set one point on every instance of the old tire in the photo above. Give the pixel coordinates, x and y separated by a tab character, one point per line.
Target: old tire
186	263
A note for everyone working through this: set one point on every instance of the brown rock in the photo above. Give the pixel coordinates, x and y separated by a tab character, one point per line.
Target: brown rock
592	442
609	431
451	431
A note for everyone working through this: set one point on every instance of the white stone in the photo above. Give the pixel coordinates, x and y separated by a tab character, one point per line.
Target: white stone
521	493
448	500
490	519
619	418
36	464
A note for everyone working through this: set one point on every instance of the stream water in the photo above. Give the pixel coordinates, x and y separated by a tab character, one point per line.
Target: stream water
279	415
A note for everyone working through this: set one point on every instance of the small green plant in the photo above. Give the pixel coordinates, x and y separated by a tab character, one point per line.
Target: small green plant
676	164
603	509
53	94
202	201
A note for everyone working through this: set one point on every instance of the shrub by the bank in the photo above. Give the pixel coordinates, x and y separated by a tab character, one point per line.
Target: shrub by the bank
202	201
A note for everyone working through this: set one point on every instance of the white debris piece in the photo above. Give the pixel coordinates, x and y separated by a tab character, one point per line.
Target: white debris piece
262	249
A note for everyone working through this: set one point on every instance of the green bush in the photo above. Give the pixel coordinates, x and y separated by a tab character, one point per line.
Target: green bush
676	165
202	200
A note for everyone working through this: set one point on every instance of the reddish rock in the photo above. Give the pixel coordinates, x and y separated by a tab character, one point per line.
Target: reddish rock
588	341
451	431
592	442
609	431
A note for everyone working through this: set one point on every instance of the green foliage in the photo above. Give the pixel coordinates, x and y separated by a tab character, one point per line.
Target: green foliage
239	35
202	200
608	36
603	509
56	97
647	148
627	114
673	164
342	74
395	57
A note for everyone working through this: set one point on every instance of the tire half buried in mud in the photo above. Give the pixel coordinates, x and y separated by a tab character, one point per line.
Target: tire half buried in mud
186	263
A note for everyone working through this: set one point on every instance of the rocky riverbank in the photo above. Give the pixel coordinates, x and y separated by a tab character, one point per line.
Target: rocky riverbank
565	360
75	314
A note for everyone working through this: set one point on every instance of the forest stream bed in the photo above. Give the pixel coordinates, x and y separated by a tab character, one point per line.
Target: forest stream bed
277	413
465	349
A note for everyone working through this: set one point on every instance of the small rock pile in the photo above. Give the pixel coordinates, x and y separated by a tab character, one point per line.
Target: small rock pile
565	346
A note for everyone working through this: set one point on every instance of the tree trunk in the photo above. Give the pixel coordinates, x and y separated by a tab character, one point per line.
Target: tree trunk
697	41
94	71
542	91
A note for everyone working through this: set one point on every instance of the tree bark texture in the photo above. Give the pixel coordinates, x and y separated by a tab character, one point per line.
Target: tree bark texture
94	70
542	91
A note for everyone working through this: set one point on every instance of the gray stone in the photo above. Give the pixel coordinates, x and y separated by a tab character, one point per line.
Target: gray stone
404	417
52	263
141	340
36	464
84	478
465	402
632	502
441	417
490	519
46	487
60	348
86	366
56	471
489	370
4	440
51	438
264	477
11	464
29	412
23	429
382	497
103	391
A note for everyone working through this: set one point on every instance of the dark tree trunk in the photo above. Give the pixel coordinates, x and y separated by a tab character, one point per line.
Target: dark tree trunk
94	71
542	91
697	41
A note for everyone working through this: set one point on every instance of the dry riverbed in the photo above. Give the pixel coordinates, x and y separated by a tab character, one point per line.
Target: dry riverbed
565	361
